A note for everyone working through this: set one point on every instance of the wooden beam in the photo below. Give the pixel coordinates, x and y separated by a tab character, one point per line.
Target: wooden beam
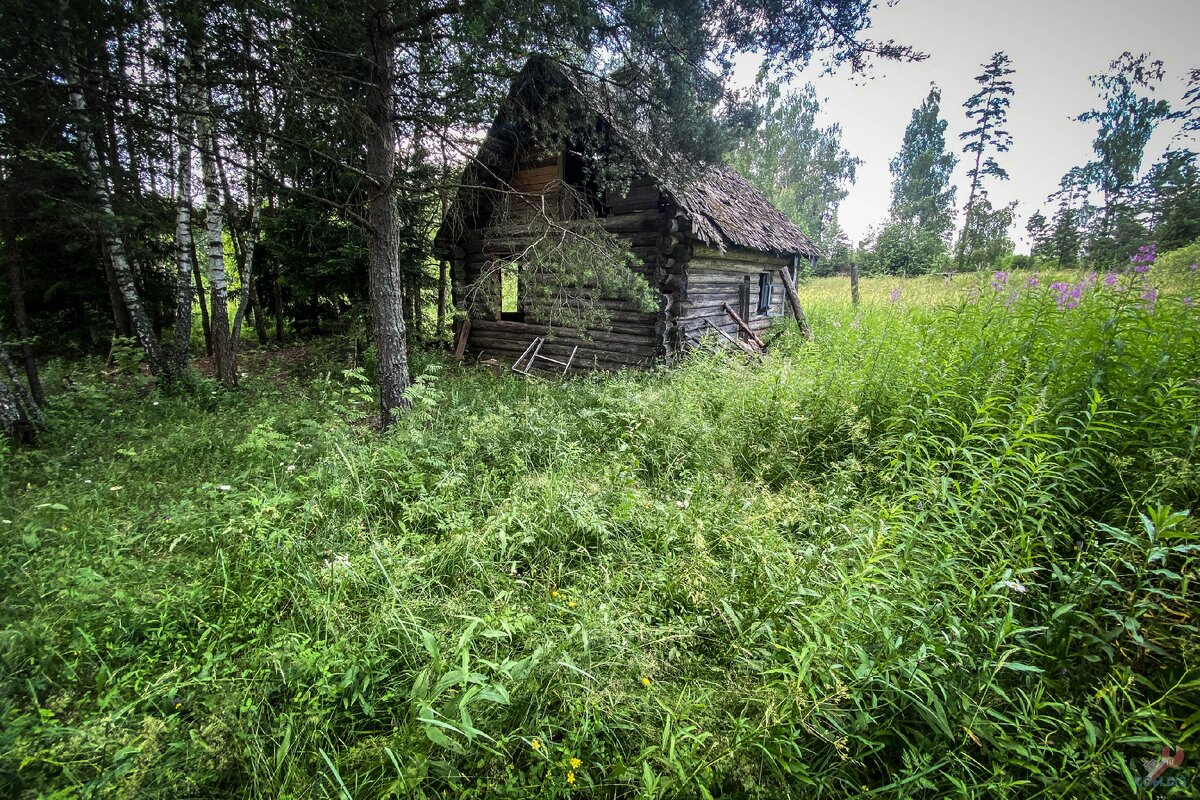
741	323
463	333
793	299
745	348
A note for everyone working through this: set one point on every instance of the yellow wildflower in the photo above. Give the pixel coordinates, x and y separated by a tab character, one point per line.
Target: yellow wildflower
571	604
535	744
575	763
554	592
645	681
571	778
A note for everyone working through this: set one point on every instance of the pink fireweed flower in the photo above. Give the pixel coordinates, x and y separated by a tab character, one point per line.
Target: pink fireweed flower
999	280
1187	301
1110	279
896	295
1032	282
1149	298
1068	295
1194	266
1143	258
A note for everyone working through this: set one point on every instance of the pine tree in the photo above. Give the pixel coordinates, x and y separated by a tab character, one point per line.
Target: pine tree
1040	236
1125	124
988	109
921	191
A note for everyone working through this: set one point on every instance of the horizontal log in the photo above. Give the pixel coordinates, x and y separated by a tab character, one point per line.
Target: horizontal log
639	222
704	303
530	330
562	351
738	255
728	268
691	324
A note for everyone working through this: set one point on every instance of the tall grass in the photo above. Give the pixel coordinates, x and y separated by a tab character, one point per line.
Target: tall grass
943	550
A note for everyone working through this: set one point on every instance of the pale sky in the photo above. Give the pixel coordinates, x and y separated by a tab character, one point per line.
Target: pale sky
1054	46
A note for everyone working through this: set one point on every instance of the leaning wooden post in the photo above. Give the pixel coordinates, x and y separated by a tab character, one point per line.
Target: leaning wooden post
854	284
793	298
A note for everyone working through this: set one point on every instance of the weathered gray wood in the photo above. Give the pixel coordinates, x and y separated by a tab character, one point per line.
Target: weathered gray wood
745	348
741	323
526	330
463	335
585	356
793	298
638	222
735	255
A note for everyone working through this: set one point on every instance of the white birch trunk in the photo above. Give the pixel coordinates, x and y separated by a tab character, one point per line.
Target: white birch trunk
183	231
223	366
122	270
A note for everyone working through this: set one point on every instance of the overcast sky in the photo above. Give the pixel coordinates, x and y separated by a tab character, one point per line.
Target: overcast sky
1054	46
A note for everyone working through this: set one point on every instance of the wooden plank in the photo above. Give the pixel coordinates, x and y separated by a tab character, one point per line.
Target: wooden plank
527	330
793	298
584	356
463	335
639	222
736	255
745	348
741	323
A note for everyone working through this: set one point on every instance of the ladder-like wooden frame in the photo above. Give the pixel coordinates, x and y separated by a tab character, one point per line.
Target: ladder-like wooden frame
534	352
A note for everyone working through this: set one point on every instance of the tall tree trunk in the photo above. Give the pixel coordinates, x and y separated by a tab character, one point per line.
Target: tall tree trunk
20	416
16	291
260	324
976	179
184	247
121	324
122	271
222	356
383	263
247	276
205	323
443	276
277	307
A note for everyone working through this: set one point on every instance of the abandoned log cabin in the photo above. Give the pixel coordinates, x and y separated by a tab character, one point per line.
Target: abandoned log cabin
713	252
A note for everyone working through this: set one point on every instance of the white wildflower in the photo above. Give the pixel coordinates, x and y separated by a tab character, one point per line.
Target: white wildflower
225	487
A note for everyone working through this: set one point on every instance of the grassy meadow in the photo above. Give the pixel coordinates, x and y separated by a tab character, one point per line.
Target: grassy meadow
944	550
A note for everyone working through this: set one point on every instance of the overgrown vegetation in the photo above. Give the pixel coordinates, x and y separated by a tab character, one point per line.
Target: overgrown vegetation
944	550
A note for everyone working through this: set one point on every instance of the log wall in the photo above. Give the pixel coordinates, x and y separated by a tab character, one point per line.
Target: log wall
632	339
715	278
694	282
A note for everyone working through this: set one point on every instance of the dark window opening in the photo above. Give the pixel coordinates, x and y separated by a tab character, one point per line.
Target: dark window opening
586	198
766	291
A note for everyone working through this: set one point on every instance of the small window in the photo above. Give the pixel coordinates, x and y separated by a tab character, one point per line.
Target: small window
765	292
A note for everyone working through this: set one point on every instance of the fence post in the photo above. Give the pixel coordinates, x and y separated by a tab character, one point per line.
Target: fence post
854	284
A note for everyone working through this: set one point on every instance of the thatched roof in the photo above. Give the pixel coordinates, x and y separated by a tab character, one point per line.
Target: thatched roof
724	209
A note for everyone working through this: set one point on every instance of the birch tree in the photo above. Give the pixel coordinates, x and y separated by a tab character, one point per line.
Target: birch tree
184	246
117	257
